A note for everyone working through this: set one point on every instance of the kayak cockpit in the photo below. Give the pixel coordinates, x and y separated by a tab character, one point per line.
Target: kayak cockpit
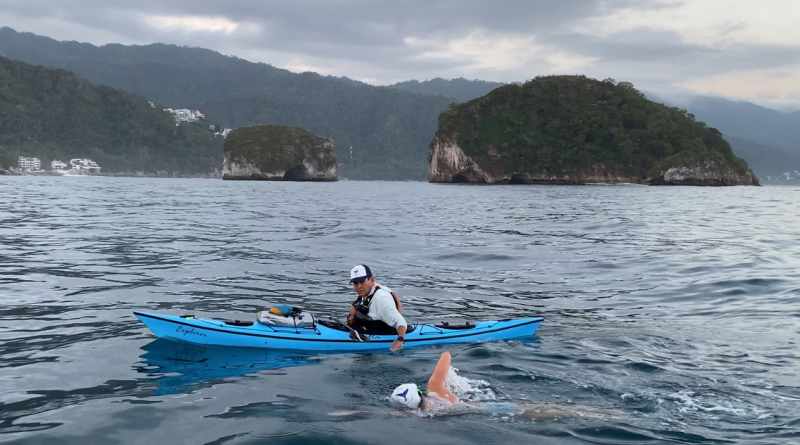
238	322
339	326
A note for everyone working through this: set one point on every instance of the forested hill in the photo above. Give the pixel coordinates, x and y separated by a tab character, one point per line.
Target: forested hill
572	129
460	89
767	139
388	129
54	114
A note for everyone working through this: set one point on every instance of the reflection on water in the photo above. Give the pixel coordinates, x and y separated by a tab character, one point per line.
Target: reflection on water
182	367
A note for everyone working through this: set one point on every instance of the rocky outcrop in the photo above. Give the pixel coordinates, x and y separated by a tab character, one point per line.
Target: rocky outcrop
707	172
278	153
450	164
575	130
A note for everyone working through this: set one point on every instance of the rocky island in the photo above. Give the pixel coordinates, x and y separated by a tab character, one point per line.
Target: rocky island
576	130
278	153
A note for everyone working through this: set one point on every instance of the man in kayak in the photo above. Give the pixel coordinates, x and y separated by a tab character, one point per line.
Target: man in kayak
376	308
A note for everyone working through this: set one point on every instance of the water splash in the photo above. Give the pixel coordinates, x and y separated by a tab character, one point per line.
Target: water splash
468	390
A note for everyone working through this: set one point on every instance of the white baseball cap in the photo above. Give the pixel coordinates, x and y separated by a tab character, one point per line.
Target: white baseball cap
407	395
360	273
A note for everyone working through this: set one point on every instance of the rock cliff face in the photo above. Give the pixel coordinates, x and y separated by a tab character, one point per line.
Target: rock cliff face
449	163
575	130
278	153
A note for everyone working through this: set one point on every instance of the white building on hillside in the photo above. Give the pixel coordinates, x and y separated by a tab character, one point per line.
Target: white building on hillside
58	165
182	115
84	166
219	131
29	164
224	132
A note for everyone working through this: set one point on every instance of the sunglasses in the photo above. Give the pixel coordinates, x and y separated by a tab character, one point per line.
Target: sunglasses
358	280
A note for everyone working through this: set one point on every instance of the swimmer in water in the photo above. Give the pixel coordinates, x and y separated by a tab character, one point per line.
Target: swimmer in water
437	395
438	399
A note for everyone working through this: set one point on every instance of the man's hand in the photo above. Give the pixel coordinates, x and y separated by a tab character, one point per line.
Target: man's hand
396	345
401	338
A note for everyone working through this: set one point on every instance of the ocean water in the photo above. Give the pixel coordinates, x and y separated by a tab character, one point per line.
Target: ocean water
672	314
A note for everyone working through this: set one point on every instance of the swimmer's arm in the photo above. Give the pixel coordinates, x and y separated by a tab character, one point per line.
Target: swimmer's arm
436	383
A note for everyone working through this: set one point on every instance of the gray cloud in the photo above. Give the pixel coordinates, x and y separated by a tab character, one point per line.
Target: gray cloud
656	60
366	39
320	28
646	46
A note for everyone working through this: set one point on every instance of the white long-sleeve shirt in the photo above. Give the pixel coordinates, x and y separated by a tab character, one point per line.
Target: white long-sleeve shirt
383	308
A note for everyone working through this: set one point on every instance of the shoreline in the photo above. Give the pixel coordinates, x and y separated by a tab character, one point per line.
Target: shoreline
8	172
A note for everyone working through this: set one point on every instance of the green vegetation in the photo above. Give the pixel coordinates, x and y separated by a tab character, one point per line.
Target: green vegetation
274	148
571	125
389	130
53	114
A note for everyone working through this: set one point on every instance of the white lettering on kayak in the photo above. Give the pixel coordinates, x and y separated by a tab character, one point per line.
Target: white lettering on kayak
189	331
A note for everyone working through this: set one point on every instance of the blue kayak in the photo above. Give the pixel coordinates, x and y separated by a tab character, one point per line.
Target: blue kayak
326	336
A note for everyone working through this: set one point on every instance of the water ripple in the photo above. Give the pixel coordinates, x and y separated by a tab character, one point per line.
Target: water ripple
676	307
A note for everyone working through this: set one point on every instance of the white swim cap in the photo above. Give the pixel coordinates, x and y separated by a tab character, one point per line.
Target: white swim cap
407	395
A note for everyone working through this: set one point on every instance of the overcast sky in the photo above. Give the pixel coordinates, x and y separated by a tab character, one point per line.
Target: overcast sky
740	49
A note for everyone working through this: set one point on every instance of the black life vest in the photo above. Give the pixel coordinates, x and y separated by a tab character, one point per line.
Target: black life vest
362	321
361	304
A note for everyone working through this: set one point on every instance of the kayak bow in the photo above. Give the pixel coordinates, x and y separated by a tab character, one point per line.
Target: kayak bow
324	335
